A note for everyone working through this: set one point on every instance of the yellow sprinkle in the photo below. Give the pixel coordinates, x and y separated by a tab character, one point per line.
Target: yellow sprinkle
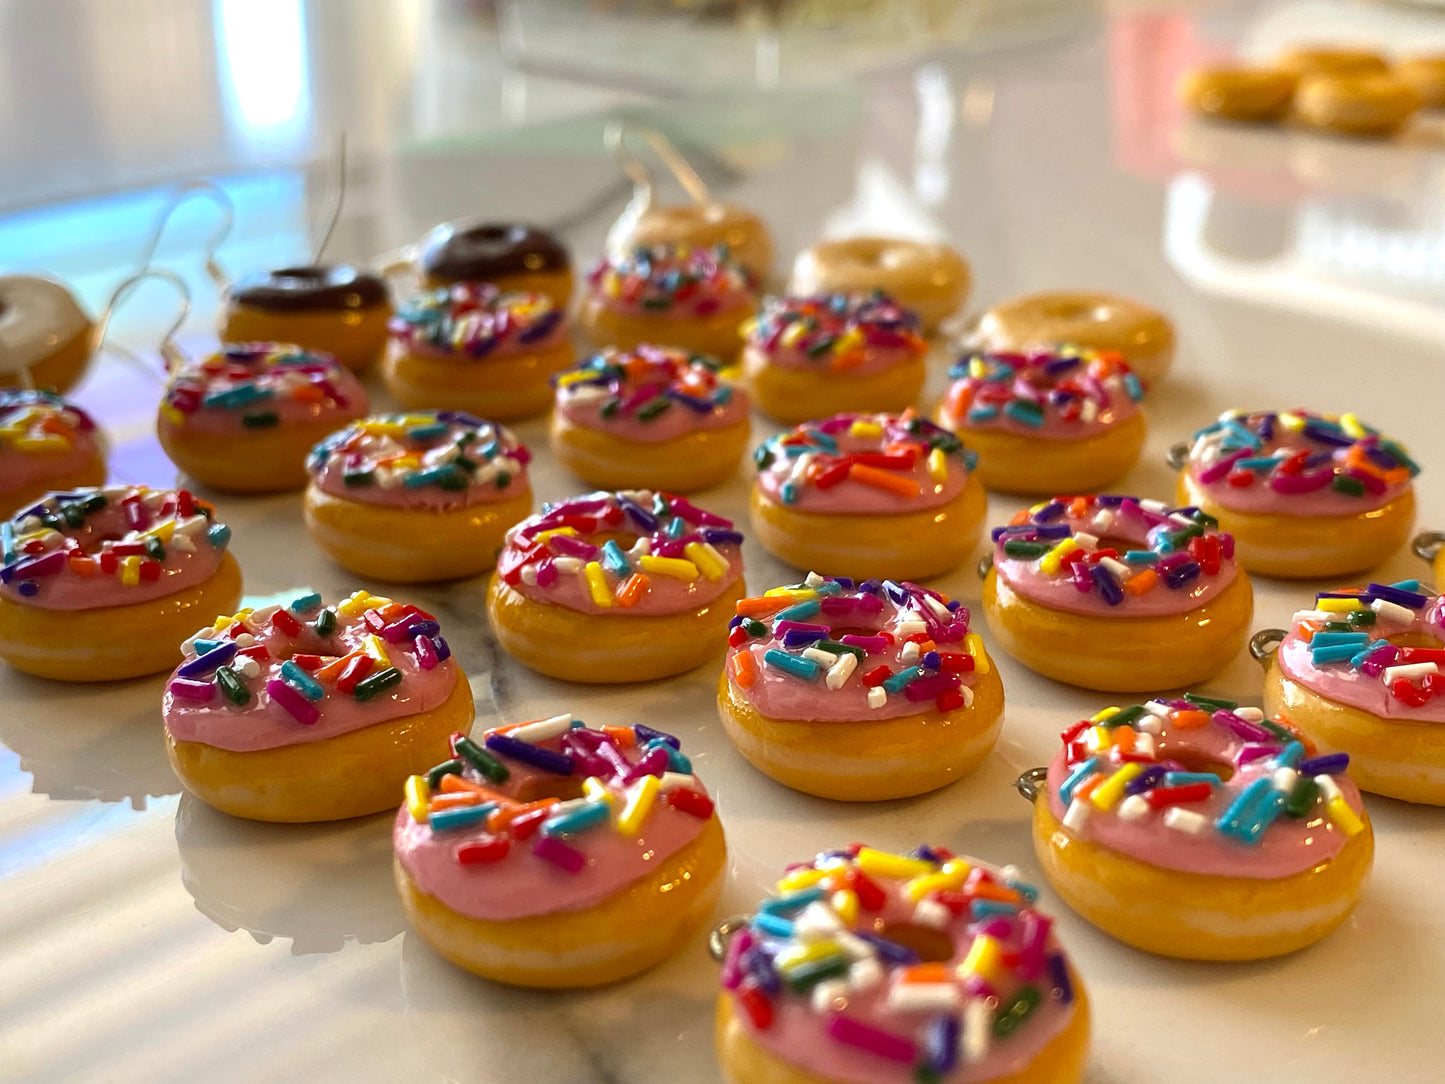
984	959
405	462
951	876
805	954
850	340
797	594
172	415
1352	426
129	571
896	866
707	559
612	284
564	379
977	369
1099	738
597	791
638	805
1107	713
1036	509
795	332
937	465
1291	421
376	650
1108	793
163	531
1049	562
973	644
865	429
806	877
418	798
675	567
383	429
353	606
542	536
1338	605
49	443
1344	817
749	328
845	903
411	421
597	584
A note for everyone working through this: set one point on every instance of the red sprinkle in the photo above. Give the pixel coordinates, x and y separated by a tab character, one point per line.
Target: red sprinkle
476	852
877	676
356	669
283	620
756	1004
1160	797
951	700
871	896
690	801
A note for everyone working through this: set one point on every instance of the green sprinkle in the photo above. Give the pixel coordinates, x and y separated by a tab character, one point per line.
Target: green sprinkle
806	976
763	457
754	627
1123	716
326	622
503	479
656	303
468	465
492	769
1016	547
358	477
653	408
231	686
822	346
1282	733
155	548
1306	790
1014	1012
1362	617
611	407
1343	483
1338	626
1209	703
377	684
836	648
265	420
72	513
446	767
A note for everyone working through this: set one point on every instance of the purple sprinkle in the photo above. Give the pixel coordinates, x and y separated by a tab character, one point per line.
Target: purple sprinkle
442	648
1050	512
645	519
1182	575
758	963
1396	595
1242	727
646	734
199	691
932	660
891	951
940	1044
896	593
719	536
535	755
1322	435
1059	976
204	664
551	849
1108	584
567	546
801	637
1325	764
28	588
1145	780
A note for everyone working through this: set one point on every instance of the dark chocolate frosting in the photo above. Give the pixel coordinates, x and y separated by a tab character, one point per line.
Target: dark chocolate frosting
304	289
486	251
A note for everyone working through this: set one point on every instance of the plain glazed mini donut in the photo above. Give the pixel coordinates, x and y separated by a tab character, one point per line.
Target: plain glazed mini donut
307	712
476	348
1426	74
43	332
1093	321
859	692
930	279
868	967
811	357
514	257
46	444
865	495
696	299
554	854
411	498
244	420
650	418
1200	829
1117	593
105	584
742	234
617	587
1051	421
1307	60
1303	494
1237	92
1356	105
1363	672
336	309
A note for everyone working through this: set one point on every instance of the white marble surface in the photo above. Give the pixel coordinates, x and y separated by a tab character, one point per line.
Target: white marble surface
145	937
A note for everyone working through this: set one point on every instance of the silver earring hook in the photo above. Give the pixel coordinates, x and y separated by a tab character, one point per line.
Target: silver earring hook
170	352
180	195
615	137
338	198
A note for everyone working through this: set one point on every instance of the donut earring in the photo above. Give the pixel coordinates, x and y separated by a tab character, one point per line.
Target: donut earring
705	222
171	354
45	336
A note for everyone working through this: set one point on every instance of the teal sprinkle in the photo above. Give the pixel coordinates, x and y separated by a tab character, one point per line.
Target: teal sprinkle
306	603
219	535
800	611
1020	410
896	683
577	820
806	669
301	681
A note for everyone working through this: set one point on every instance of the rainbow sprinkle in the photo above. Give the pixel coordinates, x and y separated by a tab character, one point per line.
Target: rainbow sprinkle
1296	452
445	449
824	940
884	452
835	330
1118	764
674	279
40	423
1060	538
646	383
248	380
1350	629
629	774
474	319
1059	388
313	653
789	631
44	541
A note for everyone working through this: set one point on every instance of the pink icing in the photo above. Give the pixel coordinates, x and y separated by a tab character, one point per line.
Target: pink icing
840	334
553	570
820	479
428	678
1218	454
881	623
1287	846
477	322
672	282
44	556
217	394
1136	523
1071	394
523	883
58	438
372	449
649	395
803	1036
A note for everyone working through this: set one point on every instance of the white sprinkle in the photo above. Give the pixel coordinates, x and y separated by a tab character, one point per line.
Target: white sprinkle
1087	541
877	697
1104	520
1089	411
864	975
1329	789
671	781
1095	739
1185	820
529	575
854	947
542	730
825	659
182	543
1133	808
1284	780
641	548
930	997
1250	715
569	566
909	654
1151	505
940	611
909	623
841	670
1409	672
246	666
812	579
1159	708
977	1023
1144	743
932	913
967	695
1009	874
1313	615
1118	568
800	467
1393	611
816	922
826	995
1181	519
1150	724
1077	814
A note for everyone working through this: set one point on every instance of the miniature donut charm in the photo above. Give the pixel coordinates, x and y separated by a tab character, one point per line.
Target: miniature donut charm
44	334
514	257
927	278
1236	92
336	309
1356	105
1306	60
743	235
46	444
1426	74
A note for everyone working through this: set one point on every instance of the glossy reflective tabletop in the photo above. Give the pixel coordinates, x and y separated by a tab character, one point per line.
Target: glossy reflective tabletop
145	937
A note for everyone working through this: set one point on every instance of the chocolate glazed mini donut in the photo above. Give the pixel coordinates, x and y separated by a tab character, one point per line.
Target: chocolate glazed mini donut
512	255
335	307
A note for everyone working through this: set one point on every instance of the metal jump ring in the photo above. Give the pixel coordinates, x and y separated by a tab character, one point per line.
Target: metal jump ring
985	565
1427	544
1031	783
719	936
1178	455
1264	643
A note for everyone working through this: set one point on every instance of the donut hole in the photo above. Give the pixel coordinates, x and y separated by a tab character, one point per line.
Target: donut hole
536	788
1079	309
1413	639
306	276
1194	760
933	946
837	632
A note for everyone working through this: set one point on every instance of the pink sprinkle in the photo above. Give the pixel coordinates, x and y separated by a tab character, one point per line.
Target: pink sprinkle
1254	752
199	691
299	708
1000	929
732	972
1300	483
395	633
1226	546
546	573
551	849
693	514
1035	938
870	644
1213	473
426	655
926	688
654	763
885	1044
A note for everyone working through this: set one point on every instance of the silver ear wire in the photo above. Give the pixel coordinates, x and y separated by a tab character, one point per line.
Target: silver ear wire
338	198
615	137
180	195
170	352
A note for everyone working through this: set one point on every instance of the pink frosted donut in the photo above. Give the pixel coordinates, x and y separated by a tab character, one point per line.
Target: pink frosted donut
46	443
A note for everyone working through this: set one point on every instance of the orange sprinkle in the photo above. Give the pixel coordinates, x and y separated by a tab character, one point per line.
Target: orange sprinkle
632	589
392	611
455	784
959	399
503	817
884	480
1124	738
988	890
763	605
1140	582
1188	720
1020	518
929	972
457	798
307	393
332	670
624	736
850	359
1086	788
84	566
1079	507
745	671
